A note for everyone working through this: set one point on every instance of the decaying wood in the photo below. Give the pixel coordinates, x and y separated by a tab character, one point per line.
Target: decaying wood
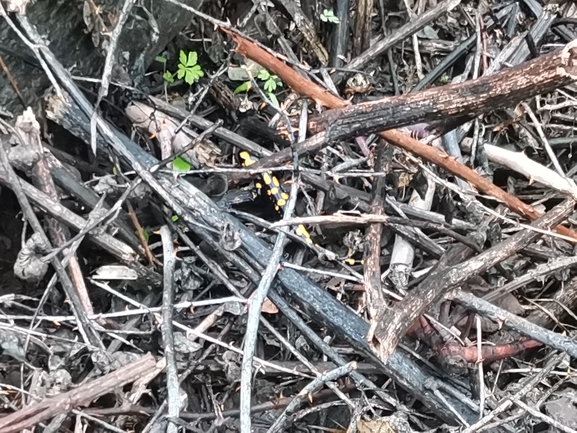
362	29
307	29
310	297
397	321
246	254
302	292
565	57
81	396
462	101
375	297
105	241
29	130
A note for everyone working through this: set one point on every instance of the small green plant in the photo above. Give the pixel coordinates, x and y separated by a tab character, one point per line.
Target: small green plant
270	85
187	68
270	81
328	16
168	76
180	164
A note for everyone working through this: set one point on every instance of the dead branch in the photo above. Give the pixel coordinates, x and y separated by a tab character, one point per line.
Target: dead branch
81	396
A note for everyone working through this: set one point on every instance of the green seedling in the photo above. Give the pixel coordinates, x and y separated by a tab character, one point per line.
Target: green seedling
168	76
270	85
187	68
328	16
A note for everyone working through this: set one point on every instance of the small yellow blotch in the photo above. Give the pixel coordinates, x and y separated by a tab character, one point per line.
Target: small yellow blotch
245	156
301	231
258	185
284	195
281	202
275	181
274	191
350	261
266	178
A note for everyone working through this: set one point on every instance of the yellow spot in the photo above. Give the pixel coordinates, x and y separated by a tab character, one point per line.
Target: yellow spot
245	156
350	261
301	231
284	195
266	178
274	191
275	181
281	202
258	185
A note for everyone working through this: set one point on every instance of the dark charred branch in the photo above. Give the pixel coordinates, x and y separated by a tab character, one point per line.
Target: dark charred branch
460	102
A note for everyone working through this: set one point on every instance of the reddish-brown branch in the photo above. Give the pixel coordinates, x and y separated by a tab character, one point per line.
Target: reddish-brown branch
296	81
452	165
306	88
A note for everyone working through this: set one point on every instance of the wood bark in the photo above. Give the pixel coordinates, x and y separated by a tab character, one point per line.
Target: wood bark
397	321
460	102
82	396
